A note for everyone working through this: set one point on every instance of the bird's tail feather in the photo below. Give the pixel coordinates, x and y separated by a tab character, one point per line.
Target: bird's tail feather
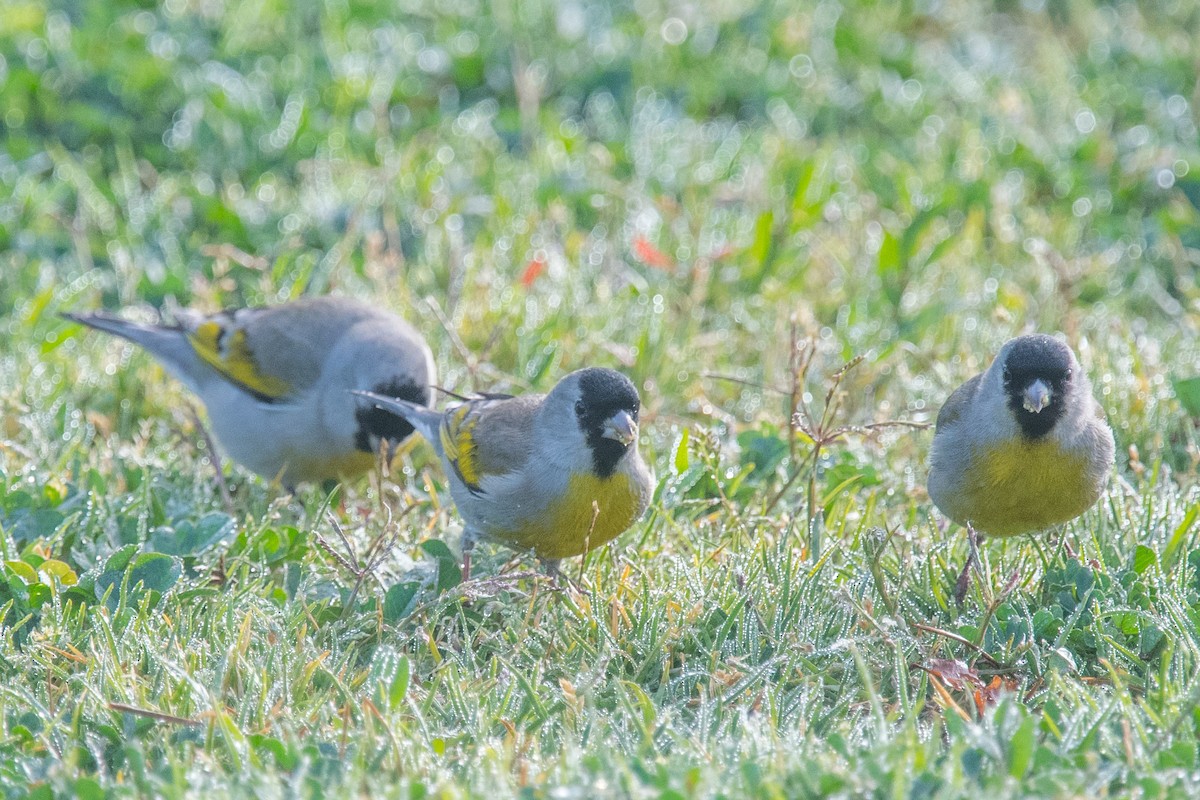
425	420
169	345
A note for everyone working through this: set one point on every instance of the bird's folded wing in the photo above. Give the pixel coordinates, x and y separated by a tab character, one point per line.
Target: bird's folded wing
957	402
223	344
485	439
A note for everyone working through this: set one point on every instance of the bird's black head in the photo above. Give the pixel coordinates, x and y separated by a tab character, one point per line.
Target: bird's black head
1030	359
607	410
376	425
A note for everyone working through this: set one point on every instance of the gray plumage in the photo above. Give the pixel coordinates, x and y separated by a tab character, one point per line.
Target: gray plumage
958	402
1023	445
275	379
513	464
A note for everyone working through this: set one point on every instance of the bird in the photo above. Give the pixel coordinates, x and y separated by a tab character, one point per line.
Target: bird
1021	447
275	380
556	474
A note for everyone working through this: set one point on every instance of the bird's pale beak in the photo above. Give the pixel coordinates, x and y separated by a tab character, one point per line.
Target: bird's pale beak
621	427
1037	396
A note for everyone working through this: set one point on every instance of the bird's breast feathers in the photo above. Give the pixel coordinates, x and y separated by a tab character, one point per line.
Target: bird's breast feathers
302	465
591	511
1013	486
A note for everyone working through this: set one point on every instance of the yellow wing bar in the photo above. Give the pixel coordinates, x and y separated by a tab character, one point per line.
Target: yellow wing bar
458	443
228	353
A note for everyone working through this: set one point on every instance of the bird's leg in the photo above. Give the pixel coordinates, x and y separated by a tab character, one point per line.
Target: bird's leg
468	544
561	580
215	456
964	577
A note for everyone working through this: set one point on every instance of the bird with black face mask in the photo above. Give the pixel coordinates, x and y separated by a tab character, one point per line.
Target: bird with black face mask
557	474
1022	446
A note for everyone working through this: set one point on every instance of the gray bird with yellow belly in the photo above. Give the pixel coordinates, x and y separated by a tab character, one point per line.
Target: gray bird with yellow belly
276	381
557	474
1023	446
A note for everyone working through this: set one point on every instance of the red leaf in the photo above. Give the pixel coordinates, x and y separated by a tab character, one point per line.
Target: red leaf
648	254
988	695
535	267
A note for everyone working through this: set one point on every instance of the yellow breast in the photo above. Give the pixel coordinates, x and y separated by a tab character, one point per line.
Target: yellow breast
592	512
1020	486
302	468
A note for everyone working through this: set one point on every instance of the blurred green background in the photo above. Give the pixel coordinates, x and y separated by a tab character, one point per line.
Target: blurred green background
705	195
934	177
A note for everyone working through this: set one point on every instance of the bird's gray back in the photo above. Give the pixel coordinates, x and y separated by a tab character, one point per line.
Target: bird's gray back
292	342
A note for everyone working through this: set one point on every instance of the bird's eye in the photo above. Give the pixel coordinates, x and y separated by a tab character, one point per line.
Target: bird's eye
580	407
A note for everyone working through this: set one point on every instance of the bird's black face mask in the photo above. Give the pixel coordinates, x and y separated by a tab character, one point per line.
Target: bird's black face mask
603	394
1037	375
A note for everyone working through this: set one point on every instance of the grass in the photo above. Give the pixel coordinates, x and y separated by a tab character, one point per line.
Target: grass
729	202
